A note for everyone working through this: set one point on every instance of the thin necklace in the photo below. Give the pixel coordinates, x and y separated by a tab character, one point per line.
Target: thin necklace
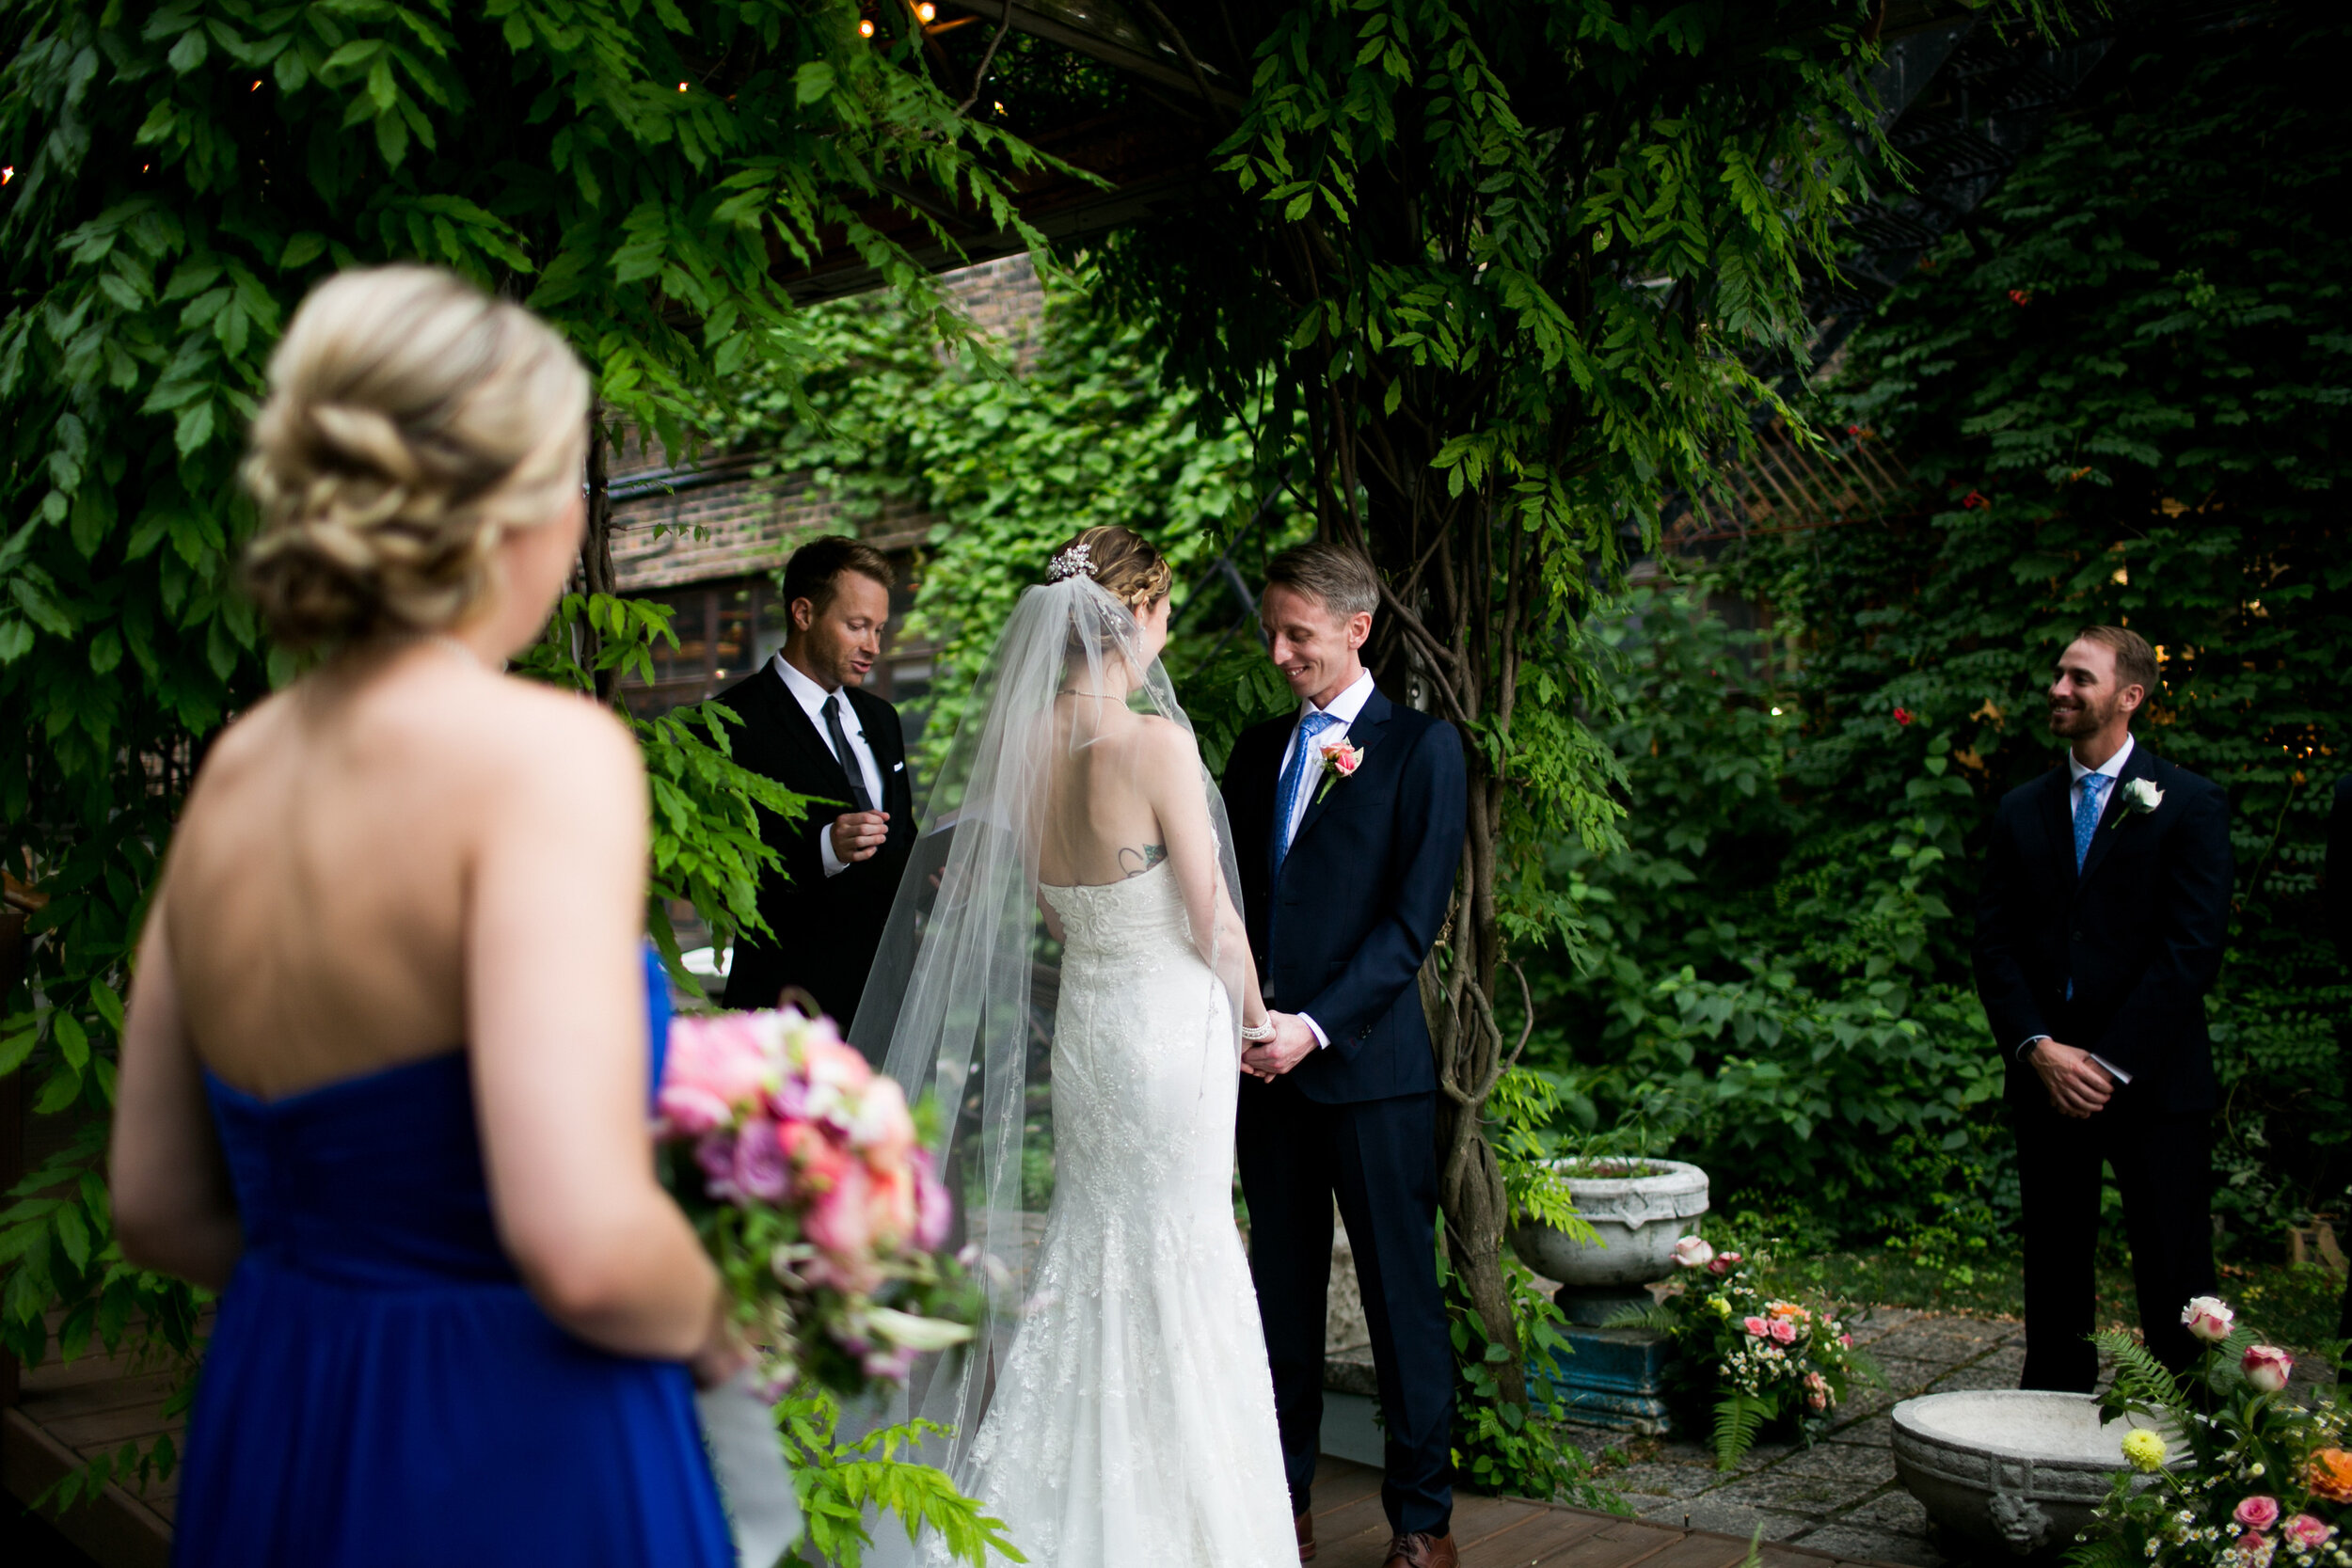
1073	691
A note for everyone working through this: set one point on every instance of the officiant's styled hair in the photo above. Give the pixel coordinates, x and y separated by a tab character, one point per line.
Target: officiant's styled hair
1337	576
2135	661
412	420
814	570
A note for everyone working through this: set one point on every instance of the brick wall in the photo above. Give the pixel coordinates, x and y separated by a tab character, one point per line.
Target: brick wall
703	520
706	537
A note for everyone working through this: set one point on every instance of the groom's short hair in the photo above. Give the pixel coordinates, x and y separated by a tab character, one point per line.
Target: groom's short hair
2135	661
1340	576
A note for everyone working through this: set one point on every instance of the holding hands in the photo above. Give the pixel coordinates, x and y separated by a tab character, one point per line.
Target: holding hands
1292	1043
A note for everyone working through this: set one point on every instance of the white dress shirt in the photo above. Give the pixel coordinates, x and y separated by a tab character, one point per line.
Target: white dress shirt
2113	769
813	699
1344	707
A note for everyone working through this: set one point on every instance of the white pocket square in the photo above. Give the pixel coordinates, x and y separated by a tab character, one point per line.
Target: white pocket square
897	767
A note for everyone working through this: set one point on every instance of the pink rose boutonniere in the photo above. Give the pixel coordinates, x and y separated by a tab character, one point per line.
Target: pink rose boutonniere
1341	759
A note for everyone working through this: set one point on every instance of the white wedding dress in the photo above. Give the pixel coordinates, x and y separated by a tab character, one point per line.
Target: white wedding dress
1133	1420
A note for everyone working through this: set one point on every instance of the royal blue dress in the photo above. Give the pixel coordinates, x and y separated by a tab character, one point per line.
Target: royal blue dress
381	1389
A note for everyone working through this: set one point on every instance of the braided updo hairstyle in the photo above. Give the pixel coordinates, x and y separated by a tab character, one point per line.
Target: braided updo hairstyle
1126	565
412	419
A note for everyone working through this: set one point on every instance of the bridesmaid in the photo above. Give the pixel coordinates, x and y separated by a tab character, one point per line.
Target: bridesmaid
384	1080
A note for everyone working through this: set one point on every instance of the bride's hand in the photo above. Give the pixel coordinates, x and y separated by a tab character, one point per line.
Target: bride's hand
724	1351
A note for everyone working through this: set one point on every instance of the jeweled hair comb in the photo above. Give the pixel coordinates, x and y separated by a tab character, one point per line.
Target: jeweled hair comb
1075	561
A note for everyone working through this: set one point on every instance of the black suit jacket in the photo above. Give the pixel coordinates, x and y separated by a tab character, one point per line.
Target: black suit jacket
2139	932
2336	870
1361	896
826	928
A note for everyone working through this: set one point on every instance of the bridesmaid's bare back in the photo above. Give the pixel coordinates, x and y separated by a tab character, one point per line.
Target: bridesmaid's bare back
316	898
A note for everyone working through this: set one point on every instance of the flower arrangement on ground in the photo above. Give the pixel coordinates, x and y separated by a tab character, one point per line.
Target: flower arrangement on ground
1752	1359
806	1180
2229	1471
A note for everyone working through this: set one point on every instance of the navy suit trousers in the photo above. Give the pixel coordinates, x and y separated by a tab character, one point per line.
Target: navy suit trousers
1378	1158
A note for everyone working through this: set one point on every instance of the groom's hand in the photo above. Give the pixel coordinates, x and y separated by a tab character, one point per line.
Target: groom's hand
1291	1044
858	834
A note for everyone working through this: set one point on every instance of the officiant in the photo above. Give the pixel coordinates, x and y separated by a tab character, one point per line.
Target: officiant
809	725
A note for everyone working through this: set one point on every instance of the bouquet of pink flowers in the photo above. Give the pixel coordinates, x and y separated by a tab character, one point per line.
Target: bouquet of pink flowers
813	1194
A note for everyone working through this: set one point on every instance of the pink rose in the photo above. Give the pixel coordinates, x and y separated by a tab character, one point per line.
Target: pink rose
760	1171
1784	1332
1723	1262
889	1364
890	1205
841	1220
2209	1317
731	1057
1816	1391
2257	1512
2251	1550
1692	1252
837	1075
1342	758
1845	1341
816	1156
934	1211
1756	1327
2305	1531
688	1110
2267	1368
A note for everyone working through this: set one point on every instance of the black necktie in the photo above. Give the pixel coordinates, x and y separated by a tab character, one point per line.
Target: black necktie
858	796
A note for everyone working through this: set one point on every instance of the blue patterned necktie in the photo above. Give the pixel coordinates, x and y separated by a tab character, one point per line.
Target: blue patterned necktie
1303	756
2087	814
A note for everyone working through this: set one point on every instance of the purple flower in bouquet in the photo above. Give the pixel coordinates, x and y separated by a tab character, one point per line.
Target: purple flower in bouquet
760	1170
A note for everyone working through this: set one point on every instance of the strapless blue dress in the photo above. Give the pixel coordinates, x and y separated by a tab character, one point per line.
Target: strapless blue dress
381	1389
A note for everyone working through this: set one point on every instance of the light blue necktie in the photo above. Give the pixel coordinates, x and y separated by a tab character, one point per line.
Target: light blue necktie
1303	757
2087	814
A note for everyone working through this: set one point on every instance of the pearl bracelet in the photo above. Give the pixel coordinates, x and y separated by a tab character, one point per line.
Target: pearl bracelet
1259	1036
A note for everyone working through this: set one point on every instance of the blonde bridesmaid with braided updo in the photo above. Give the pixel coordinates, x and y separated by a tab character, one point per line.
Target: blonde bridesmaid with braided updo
384	1079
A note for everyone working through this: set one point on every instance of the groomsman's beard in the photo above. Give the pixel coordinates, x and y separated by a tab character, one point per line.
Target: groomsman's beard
2081	719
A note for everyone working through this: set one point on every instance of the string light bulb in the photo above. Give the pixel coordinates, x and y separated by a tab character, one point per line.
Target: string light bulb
256	86
866	28
7	174
681	86
927	11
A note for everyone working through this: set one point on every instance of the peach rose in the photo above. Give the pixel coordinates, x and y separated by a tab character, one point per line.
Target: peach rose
2330	1475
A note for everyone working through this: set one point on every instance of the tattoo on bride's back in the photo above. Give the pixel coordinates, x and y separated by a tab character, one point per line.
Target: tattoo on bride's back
1134	863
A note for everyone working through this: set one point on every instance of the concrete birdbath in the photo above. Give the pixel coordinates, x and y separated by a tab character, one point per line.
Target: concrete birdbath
1638	1209
2015	1470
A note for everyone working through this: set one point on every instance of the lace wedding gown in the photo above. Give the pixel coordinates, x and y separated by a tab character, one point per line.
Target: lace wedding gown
1133	1421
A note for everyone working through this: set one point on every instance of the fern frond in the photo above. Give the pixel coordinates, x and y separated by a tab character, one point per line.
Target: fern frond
1738	1418
1653	1316
2141	1380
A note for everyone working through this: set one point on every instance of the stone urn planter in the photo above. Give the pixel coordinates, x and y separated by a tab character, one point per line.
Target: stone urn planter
1638	1209
2013	1470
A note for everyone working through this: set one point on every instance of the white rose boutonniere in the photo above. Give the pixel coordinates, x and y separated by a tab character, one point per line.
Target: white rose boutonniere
2140	796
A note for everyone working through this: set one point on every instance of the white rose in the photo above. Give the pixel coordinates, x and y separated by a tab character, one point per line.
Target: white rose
1692	1252
2142	795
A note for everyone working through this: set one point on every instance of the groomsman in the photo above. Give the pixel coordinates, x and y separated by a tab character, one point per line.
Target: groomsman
1346	877
808	726
2099	931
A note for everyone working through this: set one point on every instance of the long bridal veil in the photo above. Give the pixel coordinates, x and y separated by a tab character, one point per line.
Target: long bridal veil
964	991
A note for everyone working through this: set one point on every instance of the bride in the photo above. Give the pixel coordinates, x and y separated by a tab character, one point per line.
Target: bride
1067	971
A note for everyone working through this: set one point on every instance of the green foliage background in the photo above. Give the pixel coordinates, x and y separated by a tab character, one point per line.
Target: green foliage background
2123	395
634	171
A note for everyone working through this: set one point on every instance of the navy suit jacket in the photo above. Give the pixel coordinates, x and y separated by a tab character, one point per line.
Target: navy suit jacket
2139	931
1341	933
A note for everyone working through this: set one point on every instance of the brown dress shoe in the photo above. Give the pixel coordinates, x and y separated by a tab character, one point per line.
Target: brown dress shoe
1422	1551
1306	1523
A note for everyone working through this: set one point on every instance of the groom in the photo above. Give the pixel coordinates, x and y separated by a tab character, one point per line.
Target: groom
1346	876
